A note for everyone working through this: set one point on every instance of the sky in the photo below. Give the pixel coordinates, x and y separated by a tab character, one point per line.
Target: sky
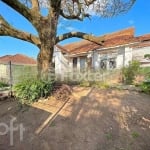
138	17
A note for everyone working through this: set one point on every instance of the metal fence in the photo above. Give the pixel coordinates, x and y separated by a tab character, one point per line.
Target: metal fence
13	73
88	75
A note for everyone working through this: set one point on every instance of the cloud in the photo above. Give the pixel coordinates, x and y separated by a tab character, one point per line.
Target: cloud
71	29
66	26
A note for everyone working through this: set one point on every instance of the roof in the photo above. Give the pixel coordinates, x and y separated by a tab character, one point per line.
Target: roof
18	59
141	45
62	48
118	38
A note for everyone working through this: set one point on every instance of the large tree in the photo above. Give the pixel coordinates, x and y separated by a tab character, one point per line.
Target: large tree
46	26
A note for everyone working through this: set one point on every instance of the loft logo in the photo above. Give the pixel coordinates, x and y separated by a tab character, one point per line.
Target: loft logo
5	129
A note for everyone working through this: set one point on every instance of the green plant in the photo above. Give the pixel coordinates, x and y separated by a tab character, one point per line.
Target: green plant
109	136
3	84
145	86
101	85
30	90
130	72
135	134
84	83
147	56
144	71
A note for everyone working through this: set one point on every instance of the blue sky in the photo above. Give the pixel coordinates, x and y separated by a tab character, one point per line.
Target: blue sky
138	17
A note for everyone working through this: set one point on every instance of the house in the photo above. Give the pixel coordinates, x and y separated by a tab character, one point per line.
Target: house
17	59
118	49
19	63
139	52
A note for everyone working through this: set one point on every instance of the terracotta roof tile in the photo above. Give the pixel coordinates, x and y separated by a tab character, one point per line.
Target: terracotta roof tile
142	44
129	33
114	39
62	48
18	59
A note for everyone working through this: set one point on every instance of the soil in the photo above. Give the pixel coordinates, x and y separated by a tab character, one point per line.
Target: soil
92	119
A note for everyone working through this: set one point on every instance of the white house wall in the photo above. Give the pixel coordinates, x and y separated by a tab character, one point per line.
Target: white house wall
3	71
70	63
128	56
123	56
61	63
120	58
96	60
138	53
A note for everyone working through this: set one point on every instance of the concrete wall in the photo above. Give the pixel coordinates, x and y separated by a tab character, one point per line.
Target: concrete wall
128	56
138	53
124	57
62	65
120	58
3	71
96	60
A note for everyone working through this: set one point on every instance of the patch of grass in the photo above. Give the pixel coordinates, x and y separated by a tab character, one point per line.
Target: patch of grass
101	85
144	71
84	83
135	134
53	124
109	136
98	84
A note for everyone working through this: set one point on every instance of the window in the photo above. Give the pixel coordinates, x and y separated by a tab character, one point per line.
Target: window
75	63
82	63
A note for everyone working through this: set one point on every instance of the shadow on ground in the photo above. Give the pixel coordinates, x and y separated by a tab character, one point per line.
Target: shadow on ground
93	119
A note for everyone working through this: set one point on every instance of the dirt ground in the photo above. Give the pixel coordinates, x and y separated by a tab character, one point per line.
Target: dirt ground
92	119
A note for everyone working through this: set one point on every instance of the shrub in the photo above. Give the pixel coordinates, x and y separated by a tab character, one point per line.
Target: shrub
145	86
147	56
130	72
30	90
3	84
144	71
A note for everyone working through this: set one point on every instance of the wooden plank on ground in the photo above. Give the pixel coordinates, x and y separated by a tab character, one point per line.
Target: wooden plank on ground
50	119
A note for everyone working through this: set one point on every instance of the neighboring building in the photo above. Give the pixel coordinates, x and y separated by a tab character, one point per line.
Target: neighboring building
17	59
139	51
118	49
18	62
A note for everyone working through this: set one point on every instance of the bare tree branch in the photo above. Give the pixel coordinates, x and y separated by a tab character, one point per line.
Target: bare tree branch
91	38
79	9
7	30
19	7
70	16
89	2
35	5
73	10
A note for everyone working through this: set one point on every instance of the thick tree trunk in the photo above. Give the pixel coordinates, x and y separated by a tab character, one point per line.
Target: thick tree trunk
45	61
47	33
